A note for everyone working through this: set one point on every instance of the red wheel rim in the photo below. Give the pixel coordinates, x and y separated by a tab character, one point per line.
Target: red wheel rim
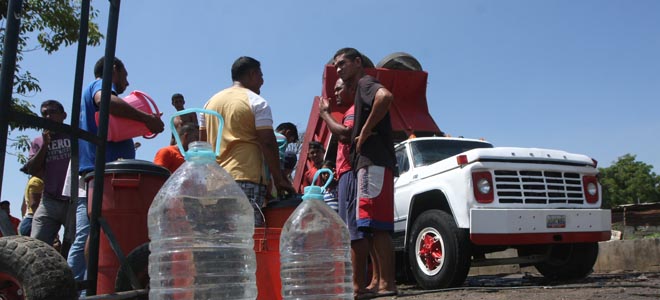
430	251
10	287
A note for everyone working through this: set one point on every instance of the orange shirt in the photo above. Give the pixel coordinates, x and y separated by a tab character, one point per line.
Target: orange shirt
169	157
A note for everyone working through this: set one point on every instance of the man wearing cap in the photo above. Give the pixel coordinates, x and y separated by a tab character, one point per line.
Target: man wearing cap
315	155
286	133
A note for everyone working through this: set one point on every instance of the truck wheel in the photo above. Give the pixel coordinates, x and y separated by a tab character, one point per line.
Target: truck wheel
438	251
569	261
138	259
400	61
33	270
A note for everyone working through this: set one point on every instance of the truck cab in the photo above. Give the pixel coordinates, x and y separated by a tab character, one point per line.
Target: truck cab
459	199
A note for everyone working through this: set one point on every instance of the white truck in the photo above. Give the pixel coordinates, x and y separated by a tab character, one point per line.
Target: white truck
458	199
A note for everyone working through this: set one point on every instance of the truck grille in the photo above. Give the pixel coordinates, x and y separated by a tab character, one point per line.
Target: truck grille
538	187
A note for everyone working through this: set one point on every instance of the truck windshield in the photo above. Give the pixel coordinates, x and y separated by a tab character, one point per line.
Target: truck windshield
426	152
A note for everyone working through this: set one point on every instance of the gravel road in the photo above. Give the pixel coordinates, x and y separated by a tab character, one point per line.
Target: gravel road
629	285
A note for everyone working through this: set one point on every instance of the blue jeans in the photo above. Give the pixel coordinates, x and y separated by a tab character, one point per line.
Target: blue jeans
76	257
25	227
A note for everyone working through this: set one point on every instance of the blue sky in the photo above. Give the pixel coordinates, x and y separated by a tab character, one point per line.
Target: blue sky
580	76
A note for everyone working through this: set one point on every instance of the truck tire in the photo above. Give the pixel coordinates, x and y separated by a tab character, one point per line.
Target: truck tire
138	259
569	261
438	251
400	61
33	270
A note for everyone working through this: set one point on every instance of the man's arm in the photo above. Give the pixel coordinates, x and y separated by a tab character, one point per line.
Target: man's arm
342	132
36	163
121	108
379	109
268	145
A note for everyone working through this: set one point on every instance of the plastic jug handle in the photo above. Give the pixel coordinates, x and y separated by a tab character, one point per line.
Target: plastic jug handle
155	108
221	125
324	170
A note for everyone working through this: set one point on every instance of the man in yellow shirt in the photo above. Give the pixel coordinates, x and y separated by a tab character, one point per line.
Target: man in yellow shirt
33	190
248	139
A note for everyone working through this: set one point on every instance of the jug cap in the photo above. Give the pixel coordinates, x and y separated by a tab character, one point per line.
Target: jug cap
315	191
200	150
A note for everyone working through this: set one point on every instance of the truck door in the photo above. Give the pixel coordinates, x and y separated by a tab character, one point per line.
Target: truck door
402	190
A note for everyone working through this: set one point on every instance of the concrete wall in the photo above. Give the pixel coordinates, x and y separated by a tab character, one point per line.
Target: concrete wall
641	255
629	255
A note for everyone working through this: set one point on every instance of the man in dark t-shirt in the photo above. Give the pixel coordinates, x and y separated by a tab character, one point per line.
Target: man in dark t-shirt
373	160
50	154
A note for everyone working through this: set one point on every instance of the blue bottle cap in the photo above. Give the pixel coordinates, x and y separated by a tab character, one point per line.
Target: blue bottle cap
201	151
315	191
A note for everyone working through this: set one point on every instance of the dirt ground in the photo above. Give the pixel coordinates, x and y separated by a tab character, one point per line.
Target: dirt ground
629	285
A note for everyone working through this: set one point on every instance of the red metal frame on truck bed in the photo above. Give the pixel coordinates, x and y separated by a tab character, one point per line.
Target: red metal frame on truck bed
409	112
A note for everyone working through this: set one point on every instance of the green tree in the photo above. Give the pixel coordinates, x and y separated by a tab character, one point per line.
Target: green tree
628	181
52	23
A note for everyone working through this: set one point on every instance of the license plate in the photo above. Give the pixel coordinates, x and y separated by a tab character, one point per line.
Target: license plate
555	221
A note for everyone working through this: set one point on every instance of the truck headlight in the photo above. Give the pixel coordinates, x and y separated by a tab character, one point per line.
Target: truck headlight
590	187
482	182
483	186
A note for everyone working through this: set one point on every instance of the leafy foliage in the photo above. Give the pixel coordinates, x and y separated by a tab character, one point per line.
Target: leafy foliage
629	181
54	23
22	145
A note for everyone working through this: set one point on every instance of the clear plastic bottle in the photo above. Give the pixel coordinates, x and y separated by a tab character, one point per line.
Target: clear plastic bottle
201	227
315	251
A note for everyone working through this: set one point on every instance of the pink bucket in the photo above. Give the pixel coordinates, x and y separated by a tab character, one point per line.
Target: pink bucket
120	129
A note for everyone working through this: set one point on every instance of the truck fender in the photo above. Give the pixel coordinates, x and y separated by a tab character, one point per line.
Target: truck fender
424	201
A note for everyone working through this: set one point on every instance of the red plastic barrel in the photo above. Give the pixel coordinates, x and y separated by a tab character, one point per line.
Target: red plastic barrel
267	251
267	247
129	187
277	212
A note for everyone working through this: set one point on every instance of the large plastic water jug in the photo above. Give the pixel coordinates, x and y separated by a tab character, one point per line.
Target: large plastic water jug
120	129
201	227
315	250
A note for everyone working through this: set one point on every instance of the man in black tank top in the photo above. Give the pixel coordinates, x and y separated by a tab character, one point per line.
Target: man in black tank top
373	160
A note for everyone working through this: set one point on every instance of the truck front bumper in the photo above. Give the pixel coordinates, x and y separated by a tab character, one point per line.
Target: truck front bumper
539	226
